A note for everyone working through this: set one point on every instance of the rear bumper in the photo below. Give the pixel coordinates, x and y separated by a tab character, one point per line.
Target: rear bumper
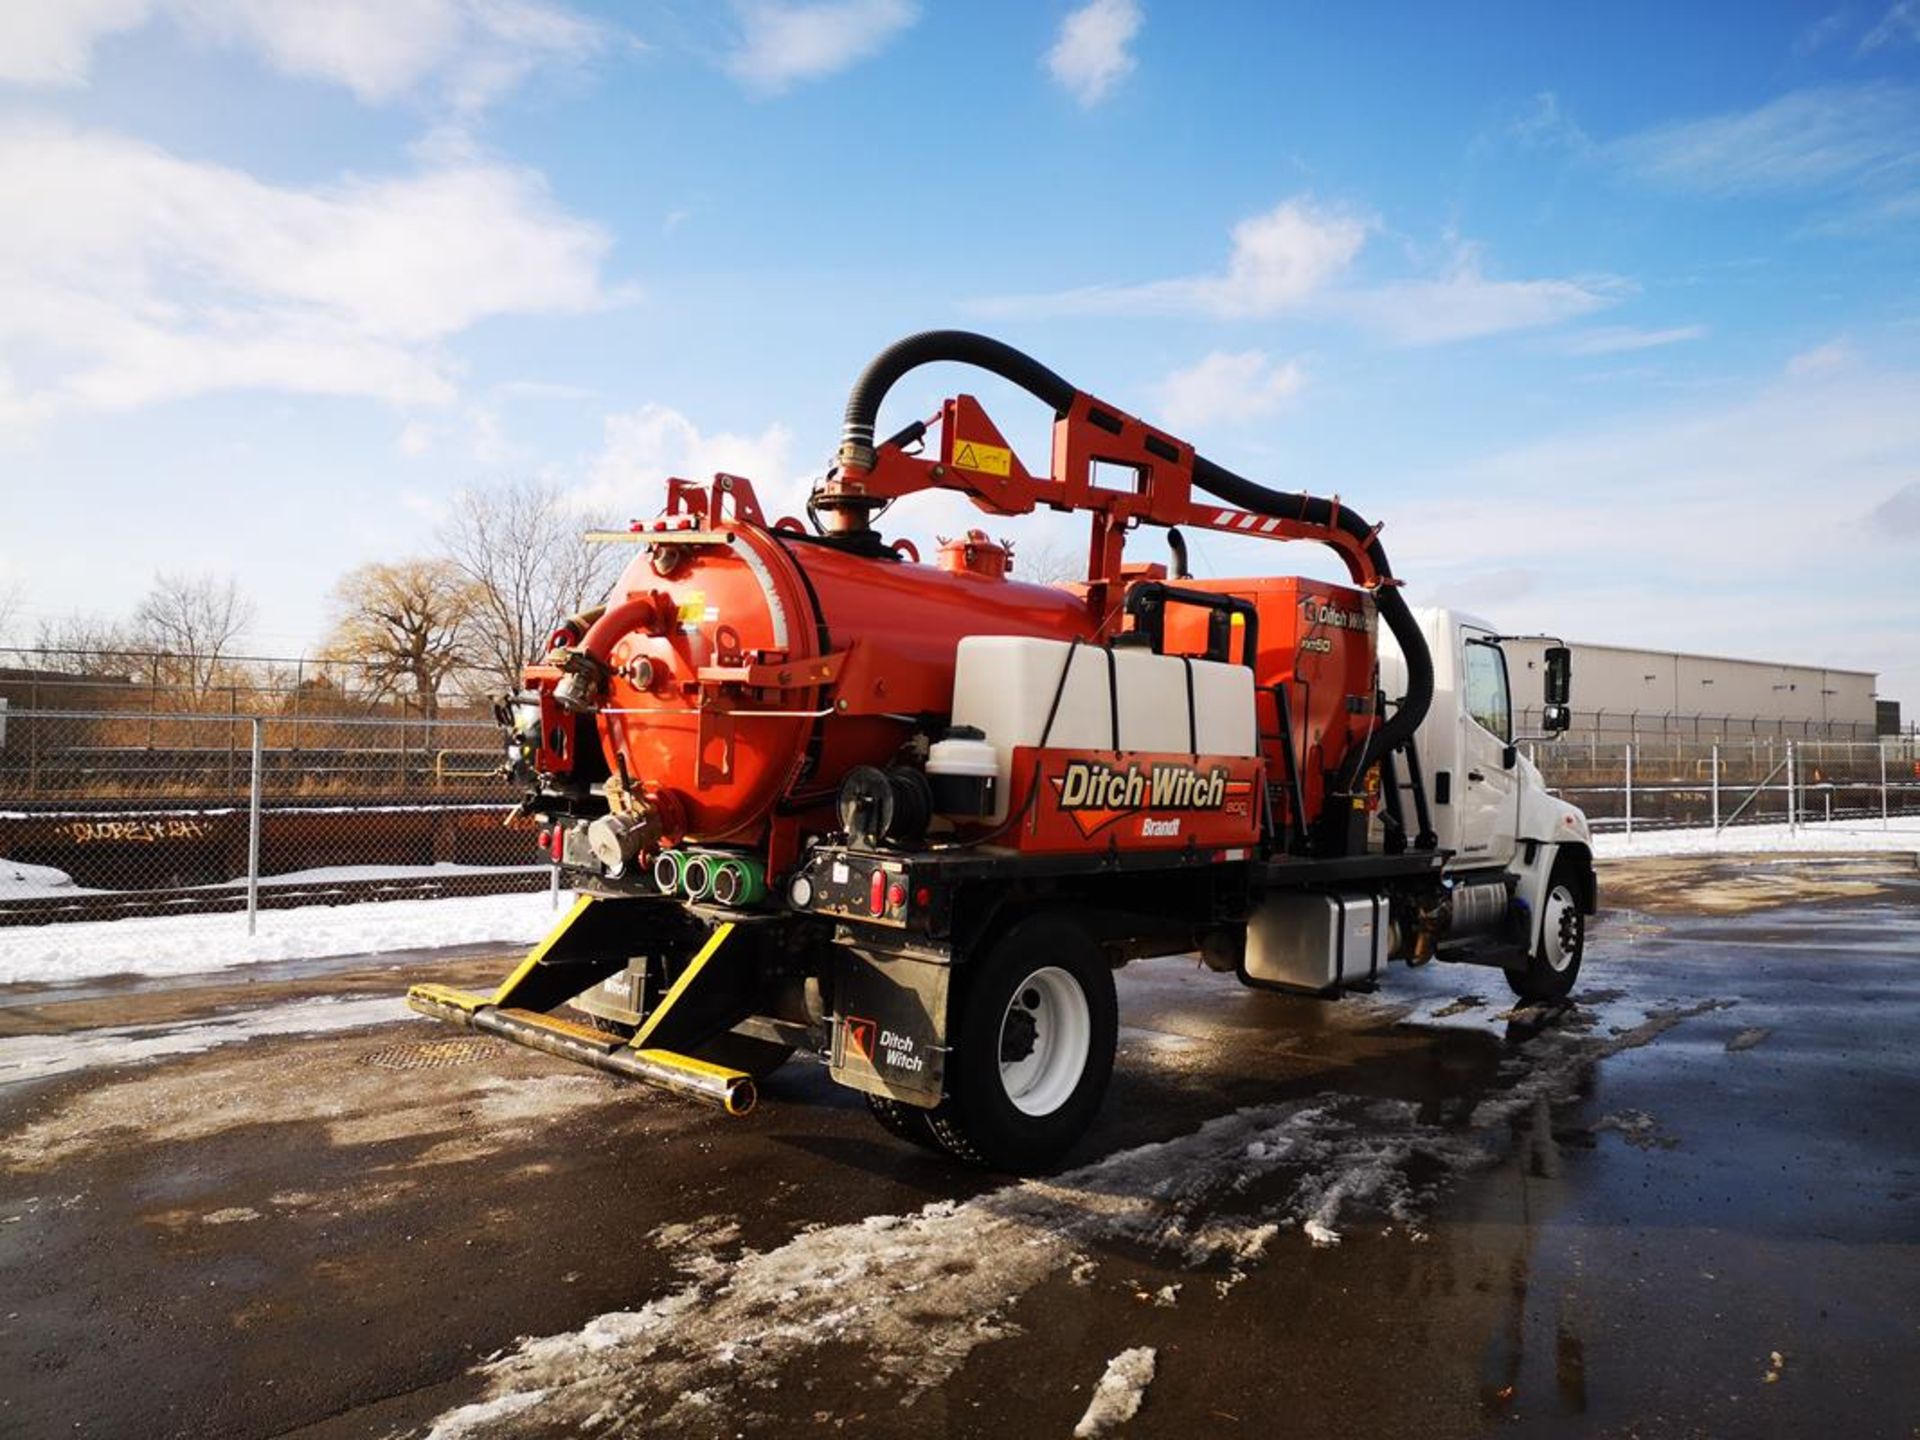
732	1090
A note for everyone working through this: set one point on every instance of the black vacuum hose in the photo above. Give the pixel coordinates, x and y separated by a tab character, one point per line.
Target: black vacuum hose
926	348
999	358
1244	494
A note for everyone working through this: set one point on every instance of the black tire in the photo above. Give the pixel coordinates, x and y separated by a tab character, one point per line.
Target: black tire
1553	967
904	1122
979	1121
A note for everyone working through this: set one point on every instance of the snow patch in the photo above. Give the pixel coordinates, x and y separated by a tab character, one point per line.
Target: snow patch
475	1419
1116	1399
20	881
1899	835
1320	1233
186	944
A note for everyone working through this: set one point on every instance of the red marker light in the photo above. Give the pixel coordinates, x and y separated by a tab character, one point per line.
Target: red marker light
922	898
877	893
896	896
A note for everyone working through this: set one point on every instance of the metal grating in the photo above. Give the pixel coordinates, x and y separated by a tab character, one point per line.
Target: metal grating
427	1054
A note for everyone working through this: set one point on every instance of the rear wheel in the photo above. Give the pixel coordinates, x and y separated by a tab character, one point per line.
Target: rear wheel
905	1122
1032	1048
1554	965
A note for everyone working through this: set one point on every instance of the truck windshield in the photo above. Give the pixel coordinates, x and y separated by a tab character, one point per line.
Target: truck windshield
1487	699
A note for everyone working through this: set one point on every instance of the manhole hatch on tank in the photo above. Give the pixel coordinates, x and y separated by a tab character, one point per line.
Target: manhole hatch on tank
427	1054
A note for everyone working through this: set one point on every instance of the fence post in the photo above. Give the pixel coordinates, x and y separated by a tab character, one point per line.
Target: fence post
1629	790
253	825
1716	790
1884	824
1791	827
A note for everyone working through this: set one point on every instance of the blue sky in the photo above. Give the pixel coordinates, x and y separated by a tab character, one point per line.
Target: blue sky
1612	314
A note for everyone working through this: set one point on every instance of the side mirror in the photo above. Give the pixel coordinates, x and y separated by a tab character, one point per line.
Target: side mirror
1559	661
1555	719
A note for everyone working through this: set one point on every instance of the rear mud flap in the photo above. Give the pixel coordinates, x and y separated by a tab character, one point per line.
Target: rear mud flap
890	1026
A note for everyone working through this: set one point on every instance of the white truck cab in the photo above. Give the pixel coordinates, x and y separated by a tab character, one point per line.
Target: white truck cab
1515	852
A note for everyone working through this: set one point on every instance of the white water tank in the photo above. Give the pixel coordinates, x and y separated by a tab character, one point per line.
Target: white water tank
1004	686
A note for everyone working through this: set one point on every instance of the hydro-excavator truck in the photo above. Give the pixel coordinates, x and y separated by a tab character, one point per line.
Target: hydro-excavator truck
815	794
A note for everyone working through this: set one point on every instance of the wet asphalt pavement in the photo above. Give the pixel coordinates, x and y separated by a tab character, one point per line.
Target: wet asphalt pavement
1688	1206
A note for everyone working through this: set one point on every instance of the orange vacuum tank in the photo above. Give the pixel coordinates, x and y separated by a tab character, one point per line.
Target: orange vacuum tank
753	667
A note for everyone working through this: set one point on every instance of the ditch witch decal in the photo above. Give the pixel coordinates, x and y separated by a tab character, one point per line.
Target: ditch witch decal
1096	794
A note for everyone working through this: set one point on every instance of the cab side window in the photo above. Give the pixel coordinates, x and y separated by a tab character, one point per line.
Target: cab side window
1487	699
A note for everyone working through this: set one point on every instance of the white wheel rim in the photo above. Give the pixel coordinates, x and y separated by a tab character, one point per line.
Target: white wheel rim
1051	1000
1553	928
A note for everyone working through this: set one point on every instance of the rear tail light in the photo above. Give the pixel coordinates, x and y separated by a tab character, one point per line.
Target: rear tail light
877	893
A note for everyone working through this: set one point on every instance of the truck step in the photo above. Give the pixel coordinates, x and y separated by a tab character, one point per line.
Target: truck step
732	1090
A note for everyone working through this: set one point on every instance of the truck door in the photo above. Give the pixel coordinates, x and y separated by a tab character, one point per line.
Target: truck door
1487	792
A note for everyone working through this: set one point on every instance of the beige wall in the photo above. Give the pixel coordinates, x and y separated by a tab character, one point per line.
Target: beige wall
1611	683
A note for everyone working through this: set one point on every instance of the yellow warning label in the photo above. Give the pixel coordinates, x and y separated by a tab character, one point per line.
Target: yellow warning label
988	459
694	607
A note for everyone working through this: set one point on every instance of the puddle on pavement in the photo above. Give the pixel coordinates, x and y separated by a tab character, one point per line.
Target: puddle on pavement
1721	887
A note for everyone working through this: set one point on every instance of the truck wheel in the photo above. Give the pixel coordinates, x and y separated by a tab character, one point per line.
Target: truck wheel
1033	1048
905	1122
1555	962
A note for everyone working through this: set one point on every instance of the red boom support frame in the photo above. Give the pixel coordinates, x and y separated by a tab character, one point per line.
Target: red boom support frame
976	460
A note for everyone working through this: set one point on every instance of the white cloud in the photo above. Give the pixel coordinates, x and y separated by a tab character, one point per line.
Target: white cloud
1900	24
415	439
129	275
1228	387
642	448
1620	339
1819	32
1832	137
1779	524
473	50
1279	259
1545	125
1463	304
1899	513
782	42
1090	56
1834	355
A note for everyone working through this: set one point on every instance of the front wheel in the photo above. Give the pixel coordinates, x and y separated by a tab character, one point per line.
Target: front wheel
1554	965
1032	1049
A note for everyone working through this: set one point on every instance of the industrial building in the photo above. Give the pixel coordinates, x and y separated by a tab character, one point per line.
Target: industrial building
1620	692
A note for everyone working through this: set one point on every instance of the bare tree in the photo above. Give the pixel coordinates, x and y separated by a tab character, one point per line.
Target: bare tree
12	598
411	621
521	544
193	621
89	645
1047	563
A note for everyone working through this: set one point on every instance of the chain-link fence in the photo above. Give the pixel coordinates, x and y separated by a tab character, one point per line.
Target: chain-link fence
212	821
1598	728
1673	781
